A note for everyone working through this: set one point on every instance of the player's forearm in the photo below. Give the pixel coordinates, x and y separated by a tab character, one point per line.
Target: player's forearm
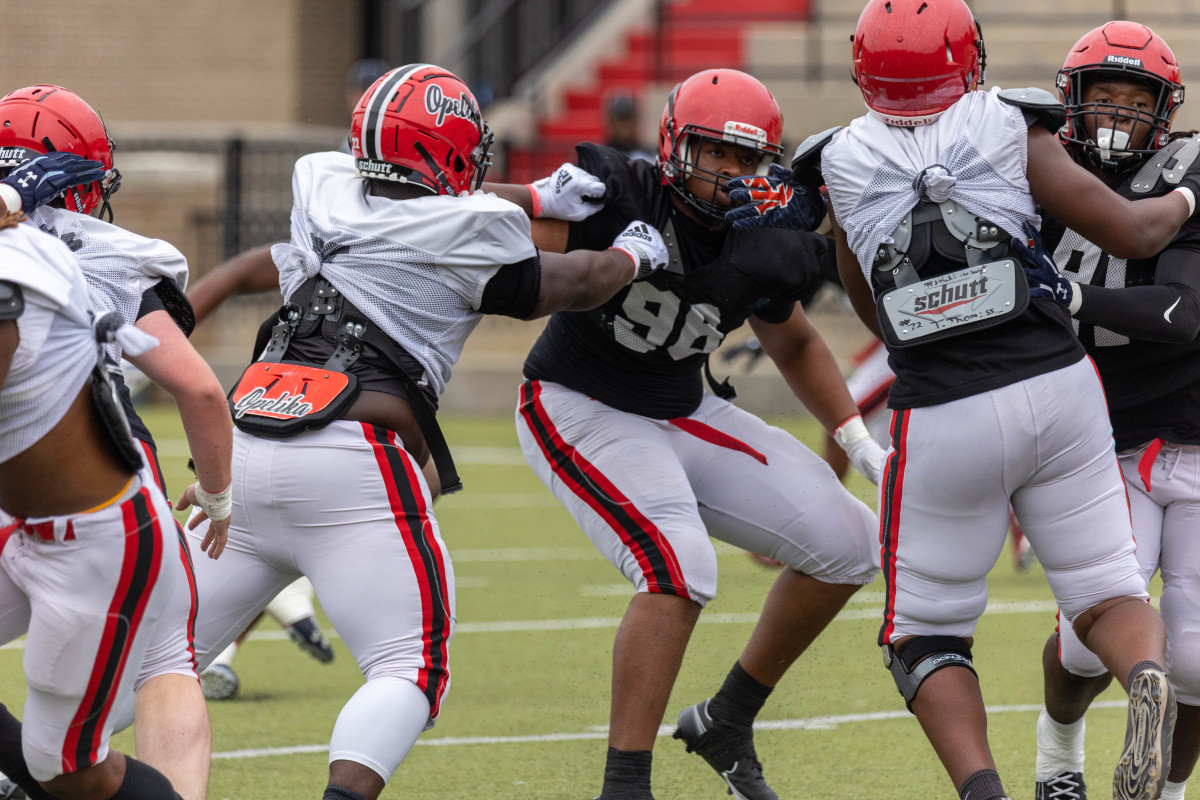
515	193
813	376
1150	313
250	272
209	432
582	279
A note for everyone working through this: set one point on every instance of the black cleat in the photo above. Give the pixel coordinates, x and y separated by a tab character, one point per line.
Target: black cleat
306	634
1142	769
727	749
1063	786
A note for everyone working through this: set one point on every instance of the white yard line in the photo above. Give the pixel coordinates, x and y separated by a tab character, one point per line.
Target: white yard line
601	732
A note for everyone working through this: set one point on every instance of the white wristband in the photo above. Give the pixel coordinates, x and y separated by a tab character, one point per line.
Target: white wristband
218	505
1189	196
11	198
1076	299
851	431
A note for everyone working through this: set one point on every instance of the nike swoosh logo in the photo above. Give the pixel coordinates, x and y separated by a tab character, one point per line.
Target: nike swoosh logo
1167	313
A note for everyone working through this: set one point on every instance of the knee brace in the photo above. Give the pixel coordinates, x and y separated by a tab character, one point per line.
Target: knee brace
922	656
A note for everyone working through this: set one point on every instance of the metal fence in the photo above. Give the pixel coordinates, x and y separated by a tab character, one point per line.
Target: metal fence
255	189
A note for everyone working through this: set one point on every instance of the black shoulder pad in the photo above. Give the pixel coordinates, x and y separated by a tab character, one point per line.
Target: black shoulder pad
177	305
1039	106
806	163
12	301
1170	163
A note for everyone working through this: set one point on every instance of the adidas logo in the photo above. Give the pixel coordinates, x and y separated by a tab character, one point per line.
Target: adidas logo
564	178
640	232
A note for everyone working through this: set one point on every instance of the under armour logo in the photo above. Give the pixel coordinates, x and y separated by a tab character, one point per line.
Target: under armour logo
24	181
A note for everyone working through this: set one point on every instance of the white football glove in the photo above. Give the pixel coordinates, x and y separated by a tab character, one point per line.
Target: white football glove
568	193
863	451
643	243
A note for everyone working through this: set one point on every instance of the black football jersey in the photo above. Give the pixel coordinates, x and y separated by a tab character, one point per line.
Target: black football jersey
1152	387
643	350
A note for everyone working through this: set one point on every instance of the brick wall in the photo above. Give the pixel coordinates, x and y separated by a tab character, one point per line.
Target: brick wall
213	60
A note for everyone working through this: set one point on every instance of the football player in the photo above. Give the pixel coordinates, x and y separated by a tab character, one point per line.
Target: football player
142	280
85	572
1139	320
994	402
393	260
614	419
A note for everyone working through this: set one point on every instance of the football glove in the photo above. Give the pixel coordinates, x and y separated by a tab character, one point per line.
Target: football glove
43	178
774	200
568	193
1042	273
644	244
864	452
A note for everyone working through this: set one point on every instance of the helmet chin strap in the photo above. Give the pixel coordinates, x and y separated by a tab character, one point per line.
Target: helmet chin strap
1111	142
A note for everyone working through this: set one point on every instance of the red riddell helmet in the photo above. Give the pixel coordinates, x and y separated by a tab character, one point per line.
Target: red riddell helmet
913	59
420	124
724	105
45	118
1126	52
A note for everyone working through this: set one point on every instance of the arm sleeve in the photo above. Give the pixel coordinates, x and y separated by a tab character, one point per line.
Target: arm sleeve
1169	311
513	290
150	302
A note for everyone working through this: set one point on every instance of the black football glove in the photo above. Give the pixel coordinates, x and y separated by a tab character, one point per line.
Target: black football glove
774	200
1040	270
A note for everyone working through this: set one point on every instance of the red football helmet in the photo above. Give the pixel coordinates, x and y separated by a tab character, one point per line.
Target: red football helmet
43	119
1125	52
420	124
913	59
724	105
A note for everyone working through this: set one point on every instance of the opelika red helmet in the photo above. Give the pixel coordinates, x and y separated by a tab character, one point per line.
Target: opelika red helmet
420	124
44	119
913	59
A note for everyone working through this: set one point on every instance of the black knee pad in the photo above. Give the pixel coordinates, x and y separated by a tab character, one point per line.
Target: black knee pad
920	657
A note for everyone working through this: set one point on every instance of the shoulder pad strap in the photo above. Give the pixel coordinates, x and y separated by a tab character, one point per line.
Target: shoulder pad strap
12	301
1038	104
806	163
1170	163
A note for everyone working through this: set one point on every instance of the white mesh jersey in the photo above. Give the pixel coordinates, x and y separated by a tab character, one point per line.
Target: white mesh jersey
870	167
118	266
57	348
417	268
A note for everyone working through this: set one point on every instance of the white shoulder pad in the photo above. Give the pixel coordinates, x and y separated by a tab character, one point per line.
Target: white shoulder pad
1170	163
1037	104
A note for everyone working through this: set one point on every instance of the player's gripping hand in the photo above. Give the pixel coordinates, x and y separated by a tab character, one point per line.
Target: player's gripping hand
215	507
864	452
1042	273
774	200
643	243
568	193
43	178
